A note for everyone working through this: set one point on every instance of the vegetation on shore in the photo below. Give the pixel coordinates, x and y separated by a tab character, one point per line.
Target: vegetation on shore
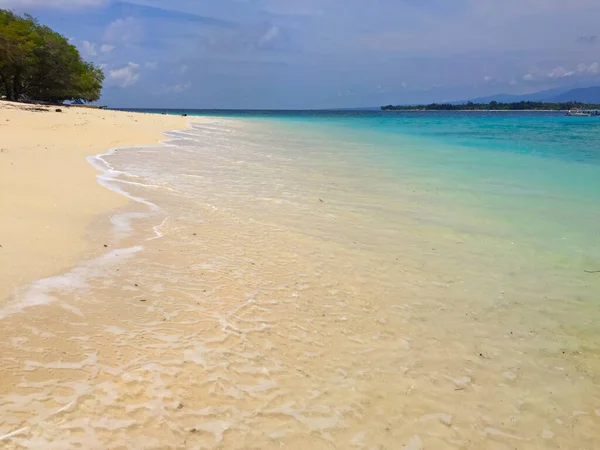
37	63
493	106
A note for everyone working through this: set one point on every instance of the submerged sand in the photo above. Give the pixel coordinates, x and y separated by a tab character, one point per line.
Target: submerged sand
272	299
48	190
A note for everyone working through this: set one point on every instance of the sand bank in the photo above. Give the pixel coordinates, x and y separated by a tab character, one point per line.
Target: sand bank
48	191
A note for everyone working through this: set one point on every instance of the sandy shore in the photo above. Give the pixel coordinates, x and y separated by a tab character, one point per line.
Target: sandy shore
48	190
290	293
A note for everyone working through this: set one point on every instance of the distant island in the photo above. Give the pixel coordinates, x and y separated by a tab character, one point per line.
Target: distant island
494	106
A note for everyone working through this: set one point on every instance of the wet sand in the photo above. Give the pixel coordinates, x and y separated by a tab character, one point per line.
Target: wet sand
48	191
264	296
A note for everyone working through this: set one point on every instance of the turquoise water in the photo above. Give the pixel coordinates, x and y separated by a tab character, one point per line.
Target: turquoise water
535	174
544	134
325	280
526	179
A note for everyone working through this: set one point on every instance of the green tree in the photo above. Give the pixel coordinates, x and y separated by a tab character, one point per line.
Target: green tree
39	64
18	41
496	106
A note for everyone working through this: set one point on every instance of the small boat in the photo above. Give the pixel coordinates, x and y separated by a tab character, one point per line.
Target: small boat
575	112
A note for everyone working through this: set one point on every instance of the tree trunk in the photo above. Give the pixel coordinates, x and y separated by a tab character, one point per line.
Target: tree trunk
7	88
17	86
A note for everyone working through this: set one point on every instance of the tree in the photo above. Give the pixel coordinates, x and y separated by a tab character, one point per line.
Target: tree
496	106
40	64
17	43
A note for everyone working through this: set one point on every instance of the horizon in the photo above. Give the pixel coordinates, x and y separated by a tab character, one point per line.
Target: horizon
480	100
325	54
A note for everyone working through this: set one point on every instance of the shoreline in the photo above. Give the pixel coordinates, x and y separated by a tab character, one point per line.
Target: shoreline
53	190
279	269
478	110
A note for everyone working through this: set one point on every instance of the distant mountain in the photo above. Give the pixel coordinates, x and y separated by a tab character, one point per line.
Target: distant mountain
590	95
585	95
514	98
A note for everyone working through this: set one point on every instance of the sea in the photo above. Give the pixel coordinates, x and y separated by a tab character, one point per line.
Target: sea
323	280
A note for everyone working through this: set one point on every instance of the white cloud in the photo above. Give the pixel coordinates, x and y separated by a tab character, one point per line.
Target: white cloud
88	49
52	3
125	76
106	48
179	88
593	68
271	35
183	69
125	31
320	42
560	72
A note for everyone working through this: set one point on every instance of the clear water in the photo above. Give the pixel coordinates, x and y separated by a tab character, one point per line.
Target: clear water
327	280
535	173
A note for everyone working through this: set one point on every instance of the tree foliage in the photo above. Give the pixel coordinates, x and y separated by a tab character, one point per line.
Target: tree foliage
38	63
494	106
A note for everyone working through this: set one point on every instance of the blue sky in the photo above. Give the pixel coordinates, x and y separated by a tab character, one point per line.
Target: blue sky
326	53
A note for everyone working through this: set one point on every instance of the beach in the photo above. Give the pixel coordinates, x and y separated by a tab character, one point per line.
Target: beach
49	192
296	280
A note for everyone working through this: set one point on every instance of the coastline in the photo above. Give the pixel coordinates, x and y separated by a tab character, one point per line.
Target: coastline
480	110
50	190
291	287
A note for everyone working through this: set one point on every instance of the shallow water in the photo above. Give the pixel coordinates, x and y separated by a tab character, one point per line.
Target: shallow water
379	281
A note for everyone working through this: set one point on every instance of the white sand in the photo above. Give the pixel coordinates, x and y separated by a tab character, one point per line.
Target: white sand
48	191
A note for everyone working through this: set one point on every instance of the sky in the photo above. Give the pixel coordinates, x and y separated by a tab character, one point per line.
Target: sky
305	54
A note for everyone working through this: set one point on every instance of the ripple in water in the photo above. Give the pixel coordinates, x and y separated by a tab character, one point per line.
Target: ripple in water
281	299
